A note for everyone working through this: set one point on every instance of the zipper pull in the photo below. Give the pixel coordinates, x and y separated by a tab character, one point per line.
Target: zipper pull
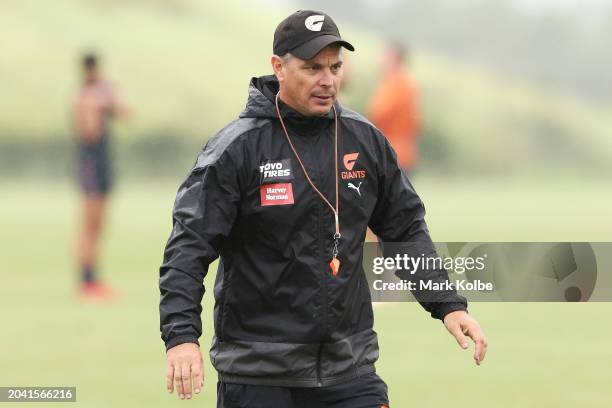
334	264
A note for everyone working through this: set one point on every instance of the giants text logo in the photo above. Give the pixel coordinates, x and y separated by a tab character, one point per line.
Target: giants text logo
349	162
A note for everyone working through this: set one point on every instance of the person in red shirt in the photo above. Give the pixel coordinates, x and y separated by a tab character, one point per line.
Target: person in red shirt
394	106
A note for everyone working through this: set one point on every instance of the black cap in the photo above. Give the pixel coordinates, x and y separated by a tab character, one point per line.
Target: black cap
305	33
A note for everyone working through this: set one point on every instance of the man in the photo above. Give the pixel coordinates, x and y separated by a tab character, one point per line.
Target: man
95	103
284	195
394	106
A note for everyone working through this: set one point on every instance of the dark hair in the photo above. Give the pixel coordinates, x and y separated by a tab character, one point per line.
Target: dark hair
90	61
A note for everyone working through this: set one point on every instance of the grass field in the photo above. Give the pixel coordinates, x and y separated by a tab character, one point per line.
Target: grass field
540	355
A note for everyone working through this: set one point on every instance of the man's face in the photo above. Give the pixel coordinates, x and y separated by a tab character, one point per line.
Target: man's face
310	86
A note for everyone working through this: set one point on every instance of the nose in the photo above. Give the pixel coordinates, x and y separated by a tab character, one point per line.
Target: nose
327	79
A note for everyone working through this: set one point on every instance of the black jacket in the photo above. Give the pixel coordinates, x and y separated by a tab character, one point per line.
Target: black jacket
281	318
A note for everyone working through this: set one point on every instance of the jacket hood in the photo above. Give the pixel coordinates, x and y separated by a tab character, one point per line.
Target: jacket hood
261	103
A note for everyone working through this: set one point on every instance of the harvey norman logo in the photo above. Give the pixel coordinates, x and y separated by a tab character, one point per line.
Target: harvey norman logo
275	182
276	194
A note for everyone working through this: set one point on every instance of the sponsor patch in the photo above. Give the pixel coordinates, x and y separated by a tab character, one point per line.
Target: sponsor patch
275	170
349	161
276	194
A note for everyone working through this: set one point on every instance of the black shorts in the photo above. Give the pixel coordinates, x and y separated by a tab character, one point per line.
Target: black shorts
366	391
95	167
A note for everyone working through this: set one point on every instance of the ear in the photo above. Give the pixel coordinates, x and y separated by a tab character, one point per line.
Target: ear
278	67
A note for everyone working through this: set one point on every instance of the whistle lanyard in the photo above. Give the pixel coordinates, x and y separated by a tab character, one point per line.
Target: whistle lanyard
334	264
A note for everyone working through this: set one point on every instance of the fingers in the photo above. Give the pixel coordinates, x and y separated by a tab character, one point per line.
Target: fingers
480	342
178	382
197	373
170	378
459	336
186	378
184	370
481	350
459	324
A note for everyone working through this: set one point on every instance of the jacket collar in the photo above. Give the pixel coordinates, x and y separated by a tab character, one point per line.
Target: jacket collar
261	103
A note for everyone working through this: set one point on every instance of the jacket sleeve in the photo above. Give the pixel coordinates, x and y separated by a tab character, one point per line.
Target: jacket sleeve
398	220
204	212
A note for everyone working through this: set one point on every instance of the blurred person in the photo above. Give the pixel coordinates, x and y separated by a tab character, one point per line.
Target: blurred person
96	103
284	195
394	107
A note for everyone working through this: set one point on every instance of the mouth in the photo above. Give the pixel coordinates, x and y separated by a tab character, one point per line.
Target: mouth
323	98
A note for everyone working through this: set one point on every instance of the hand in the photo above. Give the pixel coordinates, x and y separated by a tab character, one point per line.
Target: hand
460	324
184	368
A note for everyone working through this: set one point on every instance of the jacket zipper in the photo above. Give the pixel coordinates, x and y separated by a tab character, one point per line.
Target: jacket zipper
323	272
323	295
319	355
320	231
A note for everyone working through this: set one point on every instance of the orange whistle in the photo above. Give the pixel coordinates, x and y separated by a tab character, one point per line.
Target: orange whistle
334	264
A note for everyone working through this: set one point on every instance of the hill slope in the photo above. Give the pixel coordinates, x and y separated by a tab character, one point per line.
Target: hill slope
183	66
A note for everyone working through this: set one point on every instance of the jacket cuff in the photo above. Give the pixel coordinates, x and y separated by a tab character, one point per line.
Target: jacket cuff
446	308
175	341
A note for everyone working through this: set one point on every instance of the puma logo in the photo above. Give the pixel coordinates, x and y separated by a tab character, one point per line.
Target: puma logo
356	188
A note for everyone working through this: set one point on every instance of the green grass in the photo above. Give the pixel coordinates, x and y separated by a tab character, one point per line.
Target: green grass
541	355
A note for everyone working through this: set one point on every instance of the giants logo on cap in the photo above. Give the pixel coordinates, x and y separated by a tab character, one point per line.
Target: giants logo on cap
314	22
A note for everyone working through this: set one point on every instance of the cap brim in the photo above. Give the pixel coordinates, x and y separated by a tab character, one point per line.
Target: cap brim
313	47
